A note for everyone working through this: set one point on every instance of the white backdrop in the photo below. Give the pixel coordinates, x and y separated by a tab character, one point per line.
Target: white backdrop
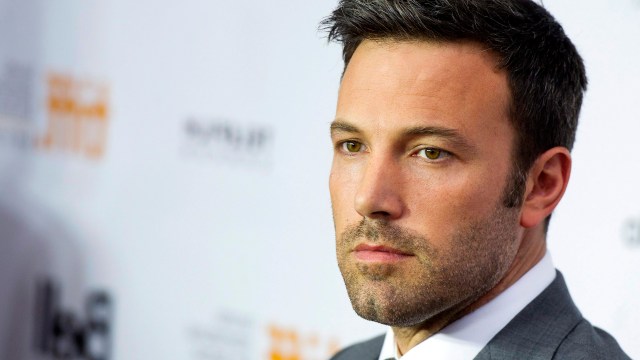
164	168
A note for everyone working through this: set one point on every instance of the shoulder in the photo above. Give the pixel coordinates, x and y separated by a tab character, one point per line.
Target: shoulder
588	342
552	327
366	350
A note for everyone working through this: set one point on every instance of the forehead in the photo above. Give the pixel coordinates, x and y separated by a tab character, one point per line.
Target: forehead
417	83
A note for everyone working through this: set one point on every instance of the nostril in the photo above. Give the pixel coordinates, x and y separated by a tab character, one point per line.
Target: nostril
379	214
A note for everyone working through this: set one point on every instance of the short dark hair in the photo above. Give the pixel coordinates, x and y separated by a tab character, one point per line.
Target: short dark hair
545	73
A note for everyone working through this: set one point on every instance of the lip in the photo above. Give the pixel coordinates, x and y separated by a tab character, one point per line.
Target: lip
379	253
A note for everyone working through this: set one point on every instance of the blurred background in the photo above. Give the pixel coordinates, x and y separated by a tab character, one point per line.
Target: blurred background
164	168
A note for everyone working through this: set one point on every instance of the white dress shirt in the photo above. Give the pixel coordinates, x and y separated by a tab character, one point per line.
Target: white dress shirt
465	337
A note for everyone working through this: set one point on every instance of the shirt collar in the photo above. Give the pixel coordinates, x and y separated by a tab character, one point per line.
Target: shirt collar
465	337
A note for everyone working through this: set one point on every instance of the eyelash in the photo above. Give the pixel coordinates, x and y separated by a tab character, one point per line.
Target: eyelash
440	153
342	146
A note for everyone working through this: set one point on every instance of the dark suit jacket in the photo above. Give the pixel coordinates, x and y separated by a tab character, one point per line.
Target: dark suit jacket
550	327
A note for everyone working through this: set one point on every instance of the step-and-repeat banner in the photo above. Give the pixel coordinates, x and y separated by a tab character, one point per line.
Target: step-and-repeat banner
164	169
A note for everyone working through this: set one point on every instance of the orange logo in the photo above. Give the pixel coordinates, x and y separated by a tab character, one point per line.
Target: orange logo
288	344
77	116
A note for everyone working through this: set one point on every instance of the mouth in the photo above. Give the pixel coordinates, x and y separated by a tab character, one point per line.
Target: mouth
379	254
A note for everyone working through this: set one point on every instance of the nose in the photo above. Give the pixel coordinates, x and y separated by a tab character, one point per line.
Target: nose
379	192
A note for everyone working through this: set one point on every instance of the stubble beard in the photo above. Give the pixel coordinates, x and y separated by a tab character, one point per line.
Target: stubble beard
433	282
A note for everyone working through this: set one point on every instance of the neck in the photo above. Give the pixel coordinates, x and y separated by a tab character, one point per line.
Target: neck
531	251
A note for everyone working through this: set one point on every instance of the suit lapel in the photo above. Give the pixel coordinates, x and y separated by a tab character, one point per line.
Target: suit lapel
537	331
367	350
372	351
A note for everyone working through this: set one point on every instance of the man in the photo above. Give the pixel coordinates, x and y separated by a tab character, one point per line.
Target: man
452	139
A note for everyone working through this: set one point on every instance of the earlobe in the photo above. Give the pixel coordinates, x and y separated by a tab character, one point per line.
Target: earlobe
546	184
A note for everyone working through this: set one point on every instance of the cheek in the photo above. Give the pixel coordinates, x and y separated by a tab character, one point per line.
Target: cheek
340	189
441	203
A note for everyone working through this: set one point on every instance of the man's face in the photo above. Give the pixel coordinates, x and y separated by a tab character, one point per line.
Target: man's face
422	158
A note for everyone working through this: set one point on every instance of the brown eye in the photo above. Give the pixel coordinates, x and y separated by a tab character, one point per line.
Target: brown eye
352	146
433	153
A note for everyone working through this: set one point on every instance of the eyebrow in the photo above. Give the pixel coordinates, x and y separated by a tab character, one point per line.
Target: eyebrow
450	135
343	126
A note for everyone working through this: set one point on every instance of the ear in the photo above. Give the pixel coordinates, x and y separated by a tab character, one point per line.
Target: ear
546	182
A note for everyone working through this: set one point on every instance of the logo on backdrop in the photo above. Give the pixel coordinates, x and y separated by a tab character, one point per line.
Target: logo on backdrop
76	113
233	336
77	116
228	337
227	141
290	344
631	232
61	334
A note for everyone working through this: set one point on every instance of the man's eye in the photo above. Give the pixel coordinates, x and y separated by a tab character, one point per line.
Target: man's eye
433	153
351	146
